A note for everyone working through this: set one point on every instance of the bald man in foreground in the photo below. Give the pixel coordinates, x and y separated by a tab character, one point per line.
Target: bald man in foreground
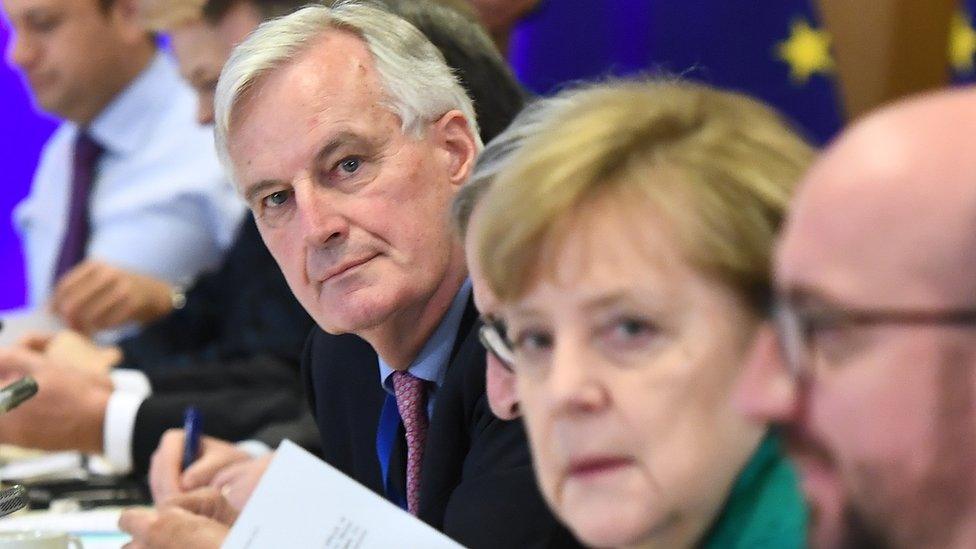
871	366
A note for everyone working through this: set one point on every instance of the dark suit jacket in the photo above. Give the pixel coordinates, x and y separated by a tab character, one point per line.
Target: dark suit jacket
243	309
477	484
233	351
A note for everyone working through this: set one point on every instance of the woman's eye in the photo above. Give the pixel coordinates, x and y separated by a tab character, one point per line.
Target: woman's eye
632	327
630	331
531	341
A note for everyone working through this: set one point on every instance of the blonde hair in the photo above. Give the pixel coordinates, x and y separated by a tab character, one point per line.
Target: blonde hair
165	15
717	166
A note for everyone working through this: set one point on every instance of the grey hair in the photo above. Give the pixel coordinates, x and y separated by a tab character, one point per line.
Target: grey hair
500	152
419	85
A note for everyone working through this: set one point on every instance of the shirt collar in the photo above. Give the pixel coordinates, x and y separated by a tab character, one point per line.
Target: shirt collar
431	364
124	125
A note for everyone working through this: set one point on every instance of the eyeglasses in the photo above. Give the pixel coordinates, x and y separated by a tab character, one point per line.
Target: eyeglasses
797	328
494	337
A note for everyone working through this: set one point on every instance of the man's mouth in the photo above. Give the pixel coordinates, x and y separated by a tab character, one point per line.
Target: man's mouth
345	267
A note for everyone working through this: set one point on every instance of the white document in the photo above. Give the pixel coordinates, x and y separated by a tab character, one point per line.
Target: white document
304	502
19	322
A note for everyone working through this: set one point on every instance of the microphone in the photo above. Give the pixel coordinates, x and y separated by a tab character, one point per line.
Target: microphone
16	393
12	499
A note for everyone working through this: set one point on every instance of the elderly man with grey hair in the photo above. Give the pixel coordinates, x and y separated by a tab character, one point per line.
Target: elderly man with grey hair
349	136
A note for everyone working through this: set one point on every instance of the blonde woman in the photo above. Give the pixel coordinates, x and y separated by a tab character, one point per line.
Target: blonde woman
629	245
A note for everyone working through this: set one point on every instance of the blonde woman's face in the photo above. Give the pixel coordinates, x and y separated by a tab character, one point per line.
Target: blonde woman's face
627	356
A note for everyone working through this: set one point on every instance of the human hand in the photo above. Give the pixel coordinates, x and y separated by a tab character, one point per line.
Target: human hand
171	527
237	482
207	502
94	296
68	411
73	350
166	477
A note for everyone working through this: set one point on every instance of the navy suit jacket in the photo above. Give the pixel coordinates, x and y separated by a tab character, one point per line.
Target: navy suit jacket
477	483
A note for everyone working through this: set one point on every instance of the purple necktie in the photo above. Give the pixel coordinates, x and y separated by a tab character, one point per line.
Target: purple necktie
75	240
411	398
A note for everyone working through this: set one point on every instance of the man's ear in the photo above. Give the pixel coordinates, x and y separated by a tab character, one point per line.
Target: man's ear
456	137
127	17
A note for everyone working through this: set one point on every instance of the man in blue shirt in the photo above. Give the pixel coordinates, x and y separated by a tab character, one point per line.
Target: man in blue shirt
128	183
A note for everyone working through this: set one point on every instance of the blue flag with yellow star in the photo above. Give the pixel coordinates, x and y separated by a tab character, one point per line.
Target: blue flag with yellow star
775	51
962	44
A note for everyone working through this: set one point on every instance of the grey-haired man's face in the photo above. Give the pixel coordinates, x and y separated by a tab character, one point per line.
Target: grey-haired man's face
353	210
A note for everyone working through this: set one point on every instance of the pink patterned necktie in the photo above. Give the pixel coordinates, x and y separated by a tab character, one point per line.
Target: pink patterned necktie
411	398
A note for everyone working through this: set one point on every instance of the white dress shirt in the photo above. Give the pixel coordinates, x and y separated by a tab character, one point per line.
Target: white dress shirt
160	203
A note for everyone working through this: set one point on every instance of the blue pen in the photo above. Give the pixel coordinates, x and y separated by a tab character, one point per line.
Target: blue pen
192	427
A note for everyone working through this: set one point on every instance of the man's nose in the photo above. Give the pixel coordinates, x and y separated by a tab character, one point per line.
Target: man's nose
21	52
322	222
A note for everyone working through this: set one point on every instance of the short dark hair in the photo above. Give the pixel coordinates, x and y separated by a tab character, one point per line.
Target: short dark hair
215	10
473	56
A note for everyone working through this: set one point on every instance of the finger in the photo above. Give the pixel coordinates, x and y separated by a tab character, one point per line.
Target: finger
72	278
136	521
164	469
19	361
111	310
203	470
74	307
228	475
35	341
207	502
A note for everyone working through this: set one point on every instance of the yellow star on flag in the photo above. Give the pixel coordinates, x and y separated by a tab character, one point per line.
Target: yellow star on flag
962	43
807	51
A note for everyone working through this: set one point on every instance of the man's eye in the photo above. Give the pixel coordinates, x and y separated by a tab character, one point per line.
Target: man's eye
275	199
350	165
45	23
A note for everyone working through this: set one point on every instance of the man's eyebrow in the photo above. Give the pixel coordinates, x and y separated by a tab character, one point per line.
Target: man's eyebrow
338	141
258	188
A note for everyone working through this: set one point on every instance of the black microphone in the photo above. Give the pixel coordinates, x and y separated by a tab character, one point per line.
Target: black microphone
16	393
12	499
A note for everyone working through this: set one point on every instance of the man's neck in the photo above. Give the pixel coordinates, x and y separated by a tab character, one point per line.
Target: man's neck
399	340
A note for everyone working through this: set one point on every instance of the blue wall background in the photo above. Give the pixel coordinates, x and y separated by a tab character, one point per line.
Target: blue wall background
22	132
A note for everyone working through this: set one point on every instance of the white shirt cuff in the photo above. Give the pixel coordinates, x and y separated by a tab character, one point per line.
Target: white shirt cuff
120	422
131	381
254	448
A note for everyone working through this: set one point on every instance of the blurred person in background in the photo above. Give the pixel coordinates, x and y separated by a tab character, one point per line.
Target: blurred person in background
628	245
232	349
129	202
869	368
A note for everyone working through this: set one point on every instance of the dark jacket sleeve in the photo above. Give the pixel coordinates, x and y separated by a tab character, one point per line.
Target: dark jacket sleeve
230	414
243	309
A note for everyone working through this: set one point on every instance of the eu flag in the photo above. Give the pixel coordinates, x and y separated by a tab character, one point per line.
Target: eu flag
775	51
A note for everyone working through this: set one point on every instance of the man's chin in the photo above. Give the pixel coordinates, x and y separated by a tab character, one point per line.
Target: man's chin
352	318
